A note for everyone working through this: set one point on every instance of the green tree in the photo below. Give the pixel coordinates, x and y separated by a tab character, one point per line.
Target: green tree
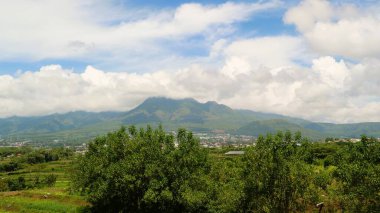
142	171
17	184
50	180
358	172
226	185
3	185
275	175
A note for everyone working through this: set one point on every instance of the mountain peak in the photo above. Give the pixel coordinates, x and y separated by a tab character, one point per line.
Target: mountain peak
162	98
170	104
188	110
163	103
175	113
212	103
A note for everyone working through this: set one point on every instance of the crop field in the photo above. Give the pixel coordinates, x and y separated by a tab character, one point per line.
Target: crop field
55	198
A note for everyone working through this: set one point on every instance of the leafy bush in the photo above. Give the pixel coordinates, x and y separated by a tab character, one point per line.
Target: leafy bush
143	171
276	178
10	167
17	184
358	171
3	185
50	180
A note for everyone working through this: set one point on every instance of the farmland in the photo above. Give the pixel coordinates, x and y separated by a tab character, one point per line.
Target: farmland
34	195
141	170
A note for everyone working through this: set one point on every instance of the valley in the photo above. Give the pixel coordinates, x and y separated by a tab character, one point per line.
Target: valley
75	128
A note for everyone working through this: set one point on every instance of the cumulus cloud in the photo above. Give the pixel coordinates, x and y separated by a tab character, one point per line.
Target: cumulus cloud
308	13
340	30
314	93
37	30
292	75
272	52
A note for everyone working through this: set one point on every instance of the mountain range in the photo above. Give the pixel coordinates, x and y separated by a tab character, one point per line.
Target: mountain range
199	117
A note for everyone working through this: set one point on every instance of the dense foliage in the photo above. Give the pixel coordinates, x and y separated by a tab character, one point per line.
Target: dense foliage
20	156
148	170
143	171
358	173
276	177
21	183
14	161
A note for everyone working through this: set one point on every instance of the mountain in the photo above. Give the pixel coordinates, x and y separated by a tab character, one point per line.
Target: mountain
172	114
272	126
53	123
191	114
176	111
311	129
346	130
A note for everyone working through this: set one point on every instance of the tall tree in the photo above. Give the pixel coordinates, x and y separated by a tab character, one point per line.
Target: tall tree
358	172
142	171
276	177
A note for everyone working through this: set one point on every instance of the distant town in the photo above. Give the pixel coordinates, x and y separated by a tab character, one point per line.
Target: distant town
215	139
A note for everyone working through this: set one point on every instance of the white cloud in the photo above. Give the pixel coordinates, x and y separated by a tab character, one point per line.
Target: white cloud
332	73
314	93
308	13
341	30
259	73
354	38
269	52
37	30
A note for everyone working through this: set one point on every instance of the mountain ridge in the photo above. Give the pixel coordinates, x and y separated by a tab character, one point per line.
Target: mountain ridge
175	113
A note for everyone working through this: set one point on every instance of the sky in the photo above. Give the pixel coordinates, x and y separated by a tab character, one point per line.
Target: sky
313	59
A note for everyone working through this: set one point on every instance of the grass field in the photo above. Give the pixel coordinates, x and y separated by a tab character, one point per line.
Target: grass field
46	199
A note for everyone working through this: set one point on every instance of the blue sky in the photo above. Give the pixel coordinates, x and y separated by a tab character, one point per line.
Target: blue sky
262	23
314	59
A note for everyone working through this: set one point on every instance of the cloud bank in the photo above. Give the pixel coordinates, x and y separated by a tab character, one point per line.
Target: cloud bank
110	35
328	91
344	30
328	71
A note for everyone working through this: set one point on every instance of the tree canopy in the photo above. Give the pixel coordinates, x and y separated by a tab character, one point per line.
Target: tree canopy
149	170
142	171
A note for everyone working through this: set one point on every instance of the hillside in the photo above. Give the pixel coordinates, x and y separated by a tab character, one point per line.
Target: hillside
172	114
52	123
272	126
191	114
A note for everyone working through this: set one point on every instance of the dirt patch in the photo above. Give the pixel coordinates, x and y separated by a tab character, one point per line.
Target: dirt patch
45	196
8	194
9	207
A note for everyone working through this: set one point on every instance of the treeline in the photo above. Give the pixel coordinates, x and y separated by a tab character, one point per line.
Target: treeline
11	151
14	159
20	183
19	157
144	171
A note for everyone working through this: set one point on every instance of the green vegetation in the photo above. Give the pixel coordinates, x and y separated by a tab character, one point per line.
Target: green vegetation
276	176
75	128
149	170
275	125
142	171
358	172
40	183
18	158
